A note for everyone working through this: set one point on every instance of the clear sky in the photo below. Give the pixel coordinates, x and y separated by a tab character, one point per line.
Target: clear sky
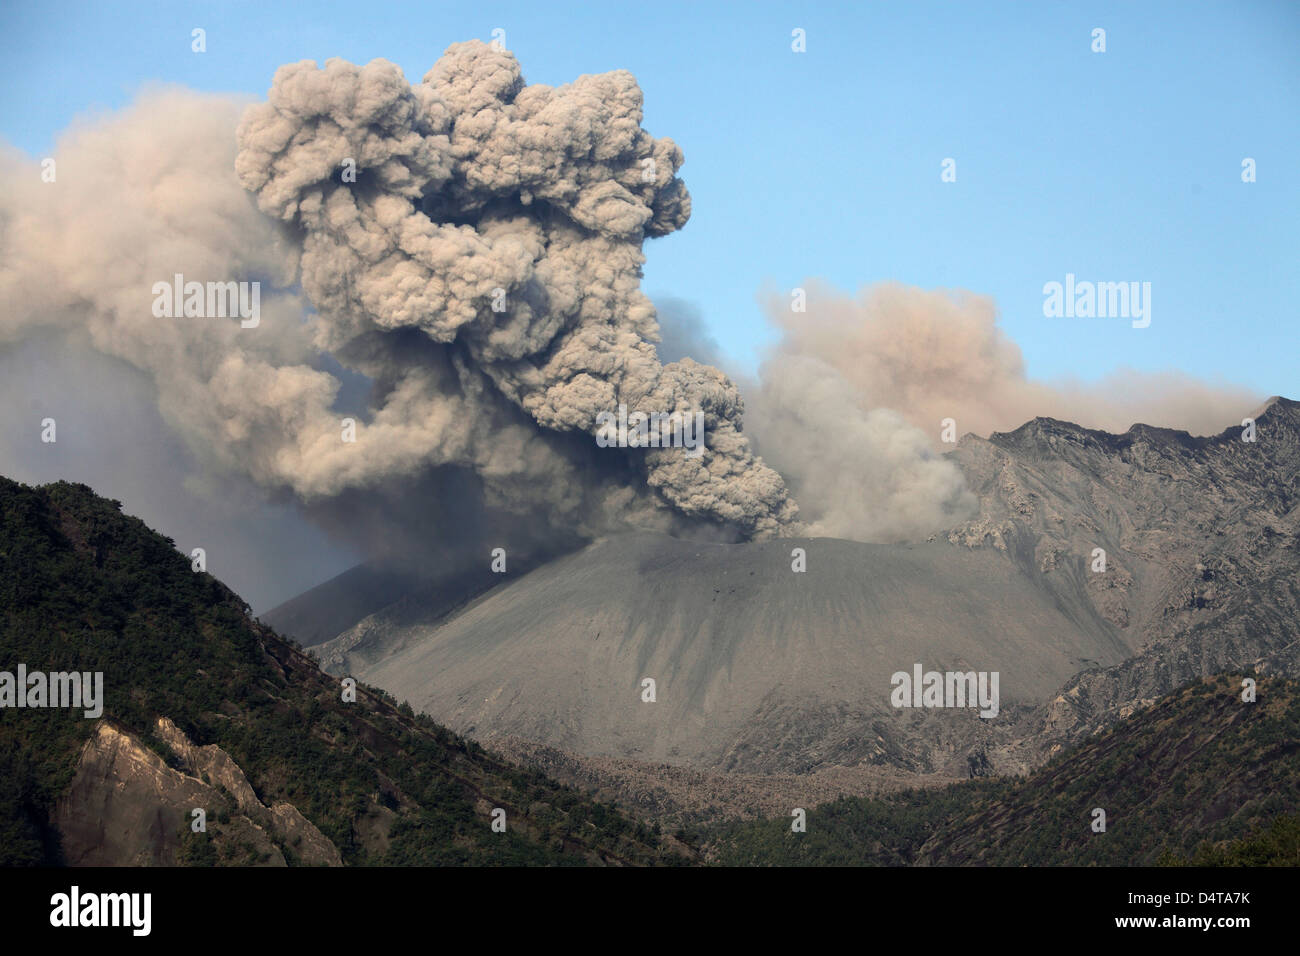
1123	165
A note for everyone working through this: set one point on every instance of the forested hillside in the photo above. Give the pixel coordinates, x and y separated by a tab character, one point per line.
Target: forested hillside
85	588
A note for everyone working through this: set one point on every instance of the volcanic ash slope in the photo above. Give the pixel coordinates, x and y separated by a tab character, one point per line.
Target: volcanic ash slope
756	668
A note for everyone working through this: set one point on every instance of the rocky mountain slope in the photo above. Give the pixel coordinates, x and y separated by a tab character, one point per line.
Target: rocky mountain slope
435	588
205	708
1196	776
129	806
760	670
334	605
1202	554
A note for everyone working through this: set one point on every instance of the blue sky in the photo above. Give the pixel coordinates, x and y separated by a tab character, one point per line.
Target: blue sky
1117	166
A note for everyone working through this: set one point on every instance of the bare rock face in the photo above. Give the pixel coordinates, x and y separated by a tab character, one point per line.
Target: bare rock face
1202	542
282	819
210	763
127	807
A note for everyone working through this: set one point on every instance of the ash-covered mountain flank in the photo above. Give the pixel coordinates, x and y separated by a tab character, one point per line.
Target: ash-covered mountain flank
756	667
761	669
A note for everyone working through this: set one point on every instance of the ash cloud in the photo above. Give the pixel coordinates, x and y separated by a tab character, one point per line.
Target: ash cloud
848	404
474	188
377	298
476	426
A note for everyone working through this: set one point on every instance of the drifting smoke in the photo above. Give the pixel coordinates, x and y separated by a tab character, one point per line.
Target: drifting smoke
471	189
887	367
135	199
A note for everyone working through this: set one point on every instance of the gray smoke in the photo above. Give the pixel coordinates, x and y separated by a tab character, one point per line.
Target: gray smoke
377	299
473	190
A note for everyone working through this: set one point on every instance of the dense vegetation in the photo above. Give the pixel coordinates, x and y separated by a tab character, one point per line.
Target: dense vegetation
1201	777
85	588
1278	844
850	831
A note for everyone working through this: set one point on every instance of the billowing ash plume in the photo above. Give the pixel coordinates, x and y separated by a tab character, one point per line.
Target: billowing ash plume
473	190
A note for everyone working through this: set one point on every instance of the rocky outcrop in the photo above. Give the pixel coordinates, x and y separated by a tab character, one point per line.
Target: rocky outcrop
127	806
1202	541
282	819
